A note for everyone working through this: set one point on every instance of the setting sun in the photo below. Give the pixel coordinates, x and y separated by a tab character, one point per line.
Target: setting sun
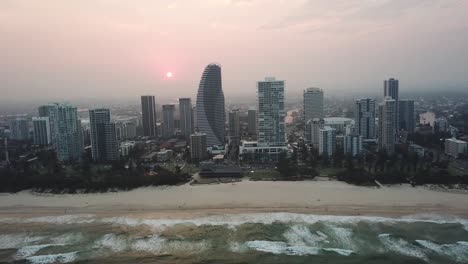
169	74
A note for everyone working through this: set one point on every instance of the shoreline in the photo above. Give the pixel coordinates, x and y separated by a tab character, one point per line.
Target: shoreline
186	201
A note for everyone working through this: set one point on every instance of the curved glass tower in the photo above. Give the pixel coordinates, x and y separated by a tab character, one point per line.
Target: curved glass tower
210	106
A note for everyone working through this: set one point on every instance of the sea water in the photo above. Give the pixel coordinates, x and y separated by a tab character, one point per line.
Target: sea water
237	238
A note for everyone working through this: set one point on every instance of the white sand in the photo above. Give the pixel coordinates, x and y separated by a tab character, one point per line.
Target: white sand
322	197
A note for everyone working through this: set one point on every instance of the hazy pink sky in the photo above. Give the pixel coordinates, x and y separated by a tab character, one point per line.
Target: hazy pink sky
61	49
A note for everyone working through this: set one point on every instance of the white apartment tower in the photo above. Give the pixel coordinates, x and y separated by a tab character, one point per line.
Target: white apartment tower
313	127
271	114
327	141
387	125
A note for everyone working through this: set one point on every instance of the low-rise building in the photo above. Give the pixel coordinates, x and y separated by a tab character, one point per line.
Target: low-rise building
251	150
455	147
164	155
126	147
220	170
417	149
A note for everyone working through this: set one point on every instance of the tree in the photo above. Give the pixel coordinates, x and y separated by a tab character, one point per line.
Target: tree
285	166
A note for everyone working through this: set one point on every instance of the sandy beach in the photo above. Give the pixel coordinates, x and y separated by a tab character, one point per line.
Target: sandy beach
315	197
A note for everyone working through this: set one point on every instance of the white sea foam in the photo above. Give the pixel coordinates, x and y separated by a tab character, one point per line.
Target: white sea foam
28	251
401	246
63	219
158	245
299	235
344	236
278	247
237	247
55	258
344	252
269	218
457	251
69	238
185	247
8	241
112	242
151	244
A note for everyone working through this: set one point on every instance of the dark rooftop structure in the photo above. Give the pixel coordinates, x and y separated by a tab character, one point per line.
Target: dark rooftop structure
220	170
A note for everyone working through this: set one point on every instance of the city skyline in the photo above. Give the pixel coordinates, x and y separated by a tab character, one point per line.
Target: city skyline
387	38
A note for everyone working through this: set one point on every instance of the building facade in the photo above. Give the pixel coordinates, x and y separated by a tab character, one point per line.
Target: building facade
387	125
168	120
104	145
327	141
198	146
19	129
148	110
186	116
455	147
271	113
252	121
50	111
69	139
210	106
234	125
41	131
364	116
313	103
352	144
407	115
391	89
312	130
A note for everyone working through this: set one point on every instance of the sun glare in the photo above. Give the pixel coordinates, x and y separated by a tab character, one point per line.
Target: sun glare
169	74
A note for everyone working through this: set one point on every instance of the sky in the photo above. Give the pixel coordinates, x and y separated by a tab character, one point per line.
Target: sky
60	49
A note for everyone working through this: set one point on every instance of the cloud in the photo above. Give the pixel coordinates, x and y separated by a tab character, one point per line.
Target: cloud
339	15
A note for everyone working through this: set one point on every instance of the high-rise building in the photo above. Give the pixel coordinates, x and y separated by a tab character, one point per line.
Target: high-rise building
50	111
69	140
313	103
364	115
391	89
19	129
168	120
148	109
327	141
104	145
387	125
312	129
198	146
271	113
352	144
252	121
407	115
186	116
126	130
41	131
210	106
234	125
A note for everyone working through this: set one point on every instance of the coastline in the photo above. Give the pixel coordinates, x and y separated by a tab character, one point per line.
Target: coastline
246	197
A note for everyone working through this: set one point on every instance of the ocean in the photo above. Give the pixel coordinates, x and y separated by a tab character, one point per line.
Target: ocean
237	238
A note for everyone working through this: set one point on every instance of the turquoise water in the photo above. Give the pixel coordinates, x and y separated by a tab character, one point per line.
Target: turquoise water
245	238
